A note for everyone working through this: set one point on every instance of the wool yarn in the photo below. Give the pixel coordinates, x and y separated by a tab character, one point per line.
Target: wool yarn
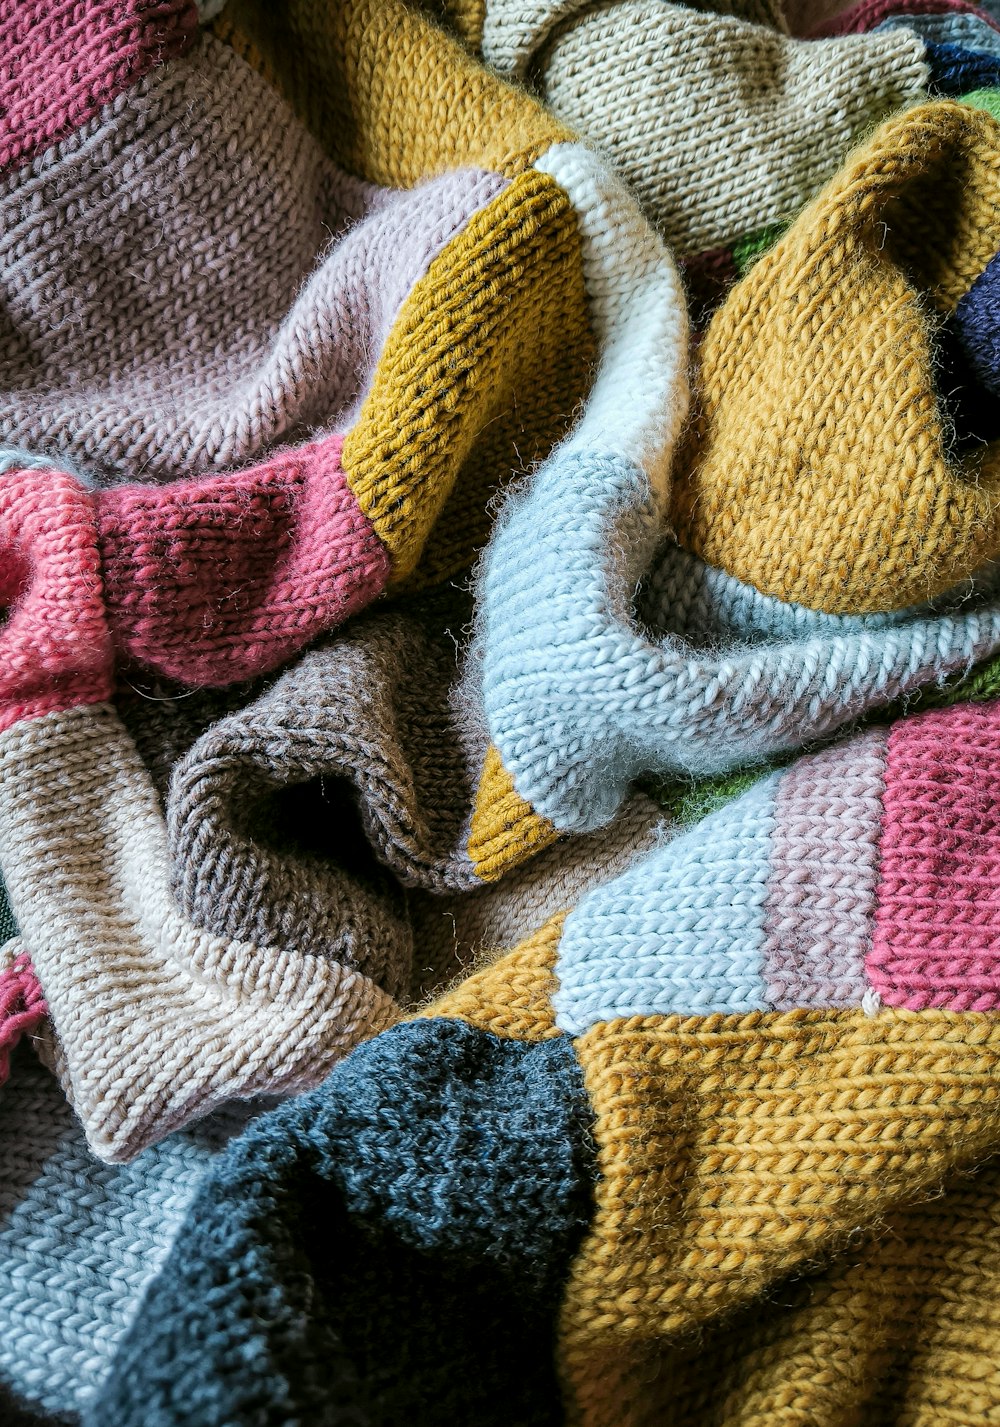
317	340
966	30
743	662
736	1145
418	1215
499	721
80	1240
879	292
153	534
720	126
162	1021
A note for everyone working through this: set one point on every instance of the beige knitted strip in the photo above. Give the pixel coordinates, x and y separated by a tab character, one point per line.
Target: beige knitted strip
720	126
156	1021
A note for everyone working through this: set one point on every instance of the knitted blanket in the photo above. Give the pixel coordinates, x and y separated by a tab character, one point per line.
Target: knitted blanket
499	713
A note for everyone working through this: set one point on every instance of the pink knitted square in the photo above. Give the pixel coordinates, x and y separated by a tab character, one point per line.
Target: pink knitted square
937	922
216	580
55	647
22	1008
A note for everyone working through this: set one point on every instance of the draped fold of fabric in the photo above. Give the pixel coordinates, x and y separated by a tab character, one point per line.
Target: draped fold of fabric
499	713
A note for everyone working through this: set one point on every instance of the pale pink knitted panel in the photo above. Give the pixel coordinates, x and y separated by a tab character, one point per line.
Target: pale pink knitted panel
63	60
937	923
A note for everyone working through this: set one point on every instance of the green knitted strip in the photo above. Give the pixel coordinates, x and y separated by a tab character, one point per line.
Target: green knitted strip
755	245
988	99
8	926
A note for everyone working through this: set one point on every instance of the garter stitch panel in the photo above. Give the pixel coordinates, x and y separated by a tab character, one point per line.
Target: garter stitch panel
719	126
162	1021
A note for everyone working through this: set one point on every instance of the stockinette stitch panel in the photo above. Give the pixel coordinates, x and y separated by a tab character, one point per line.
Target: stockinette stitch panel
97	363
736	1153
719	126
357	745
578	699
58	72
901	1329
829	515
724	675
388	1248
212	581
162	1021
80	1240
500	325
859	875
733	1151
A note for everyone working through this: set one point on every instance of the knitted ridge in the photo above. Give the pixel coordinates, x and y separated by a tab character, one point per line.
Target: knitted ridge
80	1240
162	1021
383	1250
720	126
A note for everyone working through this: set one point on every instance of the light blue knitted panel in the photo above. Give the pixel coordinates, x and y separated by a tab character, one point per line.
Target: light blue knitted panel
16	458
580	701
79	1239
707	607
969	31
682	932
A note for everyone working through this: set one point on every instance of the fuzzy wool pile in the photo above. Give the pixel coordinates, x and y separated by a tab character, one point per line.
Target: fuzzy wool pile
499	713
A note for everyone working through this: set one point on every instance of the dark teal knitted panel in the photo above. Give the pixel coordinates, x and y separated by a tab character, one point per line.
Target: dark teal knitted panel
390	1248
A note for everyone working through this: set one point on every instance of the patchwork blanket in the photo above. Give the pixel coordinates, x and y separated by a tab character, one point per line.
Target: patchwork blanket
499	713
